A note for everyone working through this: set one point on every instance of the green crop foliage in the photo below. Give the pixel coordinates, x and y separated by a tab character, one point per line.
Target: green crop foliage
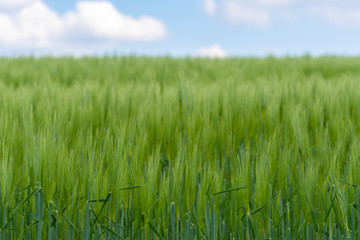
165	148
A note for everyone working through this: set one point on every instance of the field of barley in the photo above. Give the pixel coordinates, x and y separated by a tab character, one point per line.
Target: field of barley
166	148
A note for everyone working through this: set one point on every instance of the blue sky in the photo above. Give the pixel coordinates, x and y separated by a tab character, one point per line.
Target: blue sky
213	28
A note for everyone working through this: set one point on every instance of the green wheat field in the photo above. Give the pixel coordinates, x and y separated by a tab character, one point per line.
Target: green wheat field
166	148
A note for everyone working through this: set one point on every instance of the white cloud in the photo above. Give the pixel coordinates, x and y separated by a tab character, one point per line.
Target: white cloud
262	13
210	7
239	13
14	4
103	20
36	26
339	16
273	2
247	12
214	51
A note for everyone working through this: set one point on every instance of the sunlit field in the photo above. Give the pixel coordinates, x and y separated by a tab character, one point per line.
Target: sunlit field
164	148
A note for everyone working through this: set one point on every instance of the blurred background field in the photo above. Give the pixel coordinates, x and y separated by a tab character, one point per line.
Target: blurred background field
179	148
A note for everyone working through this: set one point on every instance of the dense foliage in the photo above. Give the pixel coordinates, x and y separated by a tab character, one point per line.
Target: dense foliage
139	148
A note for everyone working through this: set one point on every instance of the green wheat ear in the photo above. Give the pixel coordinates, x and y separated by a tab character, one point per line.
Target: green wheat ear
164	148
